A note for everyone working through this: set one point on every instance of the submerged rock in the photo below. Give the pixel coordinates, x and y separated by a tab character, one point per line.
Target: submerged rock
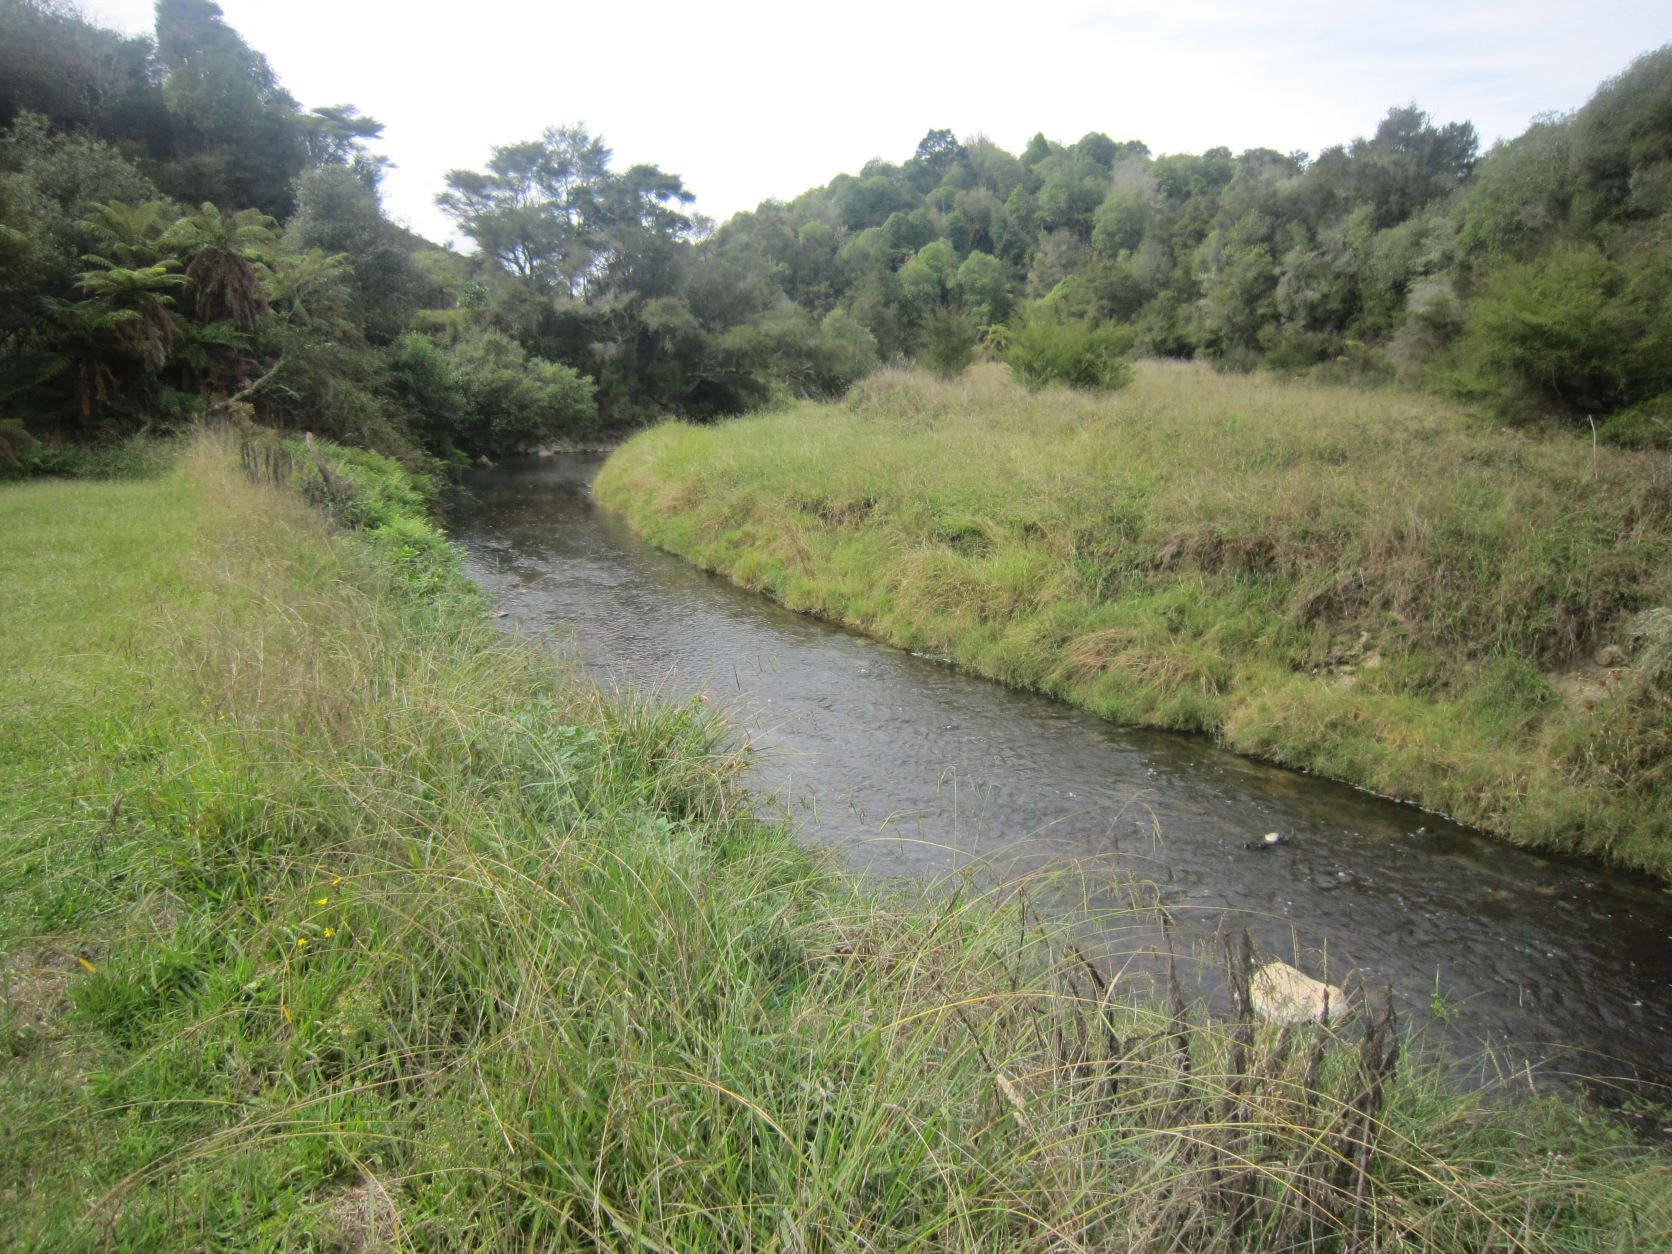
1283	994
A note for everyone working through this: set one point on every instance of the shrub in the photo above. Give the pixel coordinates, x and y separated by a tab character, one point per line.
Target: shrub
1073	352
843	353
1551	327
17	446
513	400
783	353
425	388
1648	425
949	343
1575	328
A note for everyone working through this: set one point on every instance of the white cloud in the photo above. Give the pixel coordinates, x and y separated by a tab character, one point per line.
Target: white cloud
754	100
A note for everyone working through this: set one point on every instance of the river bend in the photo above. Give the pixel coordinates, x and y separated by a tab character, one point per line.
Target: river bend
907	768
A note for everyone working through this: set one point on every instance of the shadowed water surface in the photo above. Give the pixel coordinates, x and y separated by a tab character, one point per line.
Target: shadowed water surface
908	768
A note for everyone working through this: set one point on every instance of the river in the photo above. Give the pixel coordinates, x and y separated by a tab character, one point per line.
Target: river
905	767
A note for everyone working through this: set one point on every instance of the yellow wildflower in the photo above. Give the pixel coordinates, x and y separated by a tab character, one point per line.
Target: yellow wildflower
330	932
322	901
301	941
86	966
336	881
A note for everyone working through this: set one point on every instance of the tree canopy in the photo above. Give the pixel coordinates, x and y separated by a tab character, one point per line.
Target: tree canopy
178	232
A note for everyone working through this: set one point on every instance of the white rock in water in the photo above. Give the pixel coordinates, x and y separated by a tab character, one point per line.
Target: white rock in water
1284	995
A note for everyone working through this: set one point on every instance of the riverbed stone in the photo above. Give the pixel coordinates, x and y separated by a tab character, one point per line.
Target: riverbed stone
1285	994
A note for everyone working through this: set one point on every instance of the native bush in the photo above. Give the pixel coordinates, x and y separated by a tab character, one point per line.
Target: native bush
425	388
1573	329
514	400
1074	353
949	343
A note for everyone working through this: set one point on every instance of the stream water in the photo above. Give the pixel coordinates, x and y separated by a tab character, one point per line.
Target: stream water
906	767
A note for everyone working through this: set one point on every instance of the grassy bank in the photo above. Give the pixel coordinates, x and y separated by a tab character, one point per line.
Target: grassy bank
1367	584
330	917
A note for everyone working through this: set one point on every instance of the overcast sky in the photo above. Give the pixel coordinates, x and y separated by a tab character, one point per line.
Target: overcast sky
748	101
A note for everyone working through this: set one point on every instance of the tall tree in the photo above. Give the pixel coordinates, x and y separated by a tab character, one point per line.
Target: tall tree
237	137
536	210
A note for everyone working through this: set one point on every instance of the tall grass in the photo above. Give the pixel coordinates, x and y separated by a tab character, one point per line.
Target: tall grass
331	917
1368	584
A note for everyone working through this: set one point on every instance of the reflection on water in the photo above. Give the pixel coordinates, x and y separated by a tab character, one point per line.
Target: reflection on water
909	768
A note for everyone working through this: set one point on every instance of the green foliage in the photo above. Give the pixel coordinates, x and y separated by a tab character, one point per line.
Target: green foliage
424	387
948	344
532	208
296	282
392	508
1123	219
1044	350
56	64
338	214
1333	266
119	310
783	353
577	252
1574	328
1520	196
1622	142
1409	163
17	447
224	262
143	456
984	290
513	401
843	353
553	212
238	138
1647	425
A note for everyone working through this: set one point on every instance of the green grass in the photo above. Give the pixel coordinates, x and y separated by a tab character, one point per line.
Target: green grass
333	918
1368	584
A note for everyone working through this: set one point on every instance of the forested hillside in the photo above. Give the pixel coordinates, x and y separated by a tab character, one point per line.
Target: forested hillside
178	232
1534	278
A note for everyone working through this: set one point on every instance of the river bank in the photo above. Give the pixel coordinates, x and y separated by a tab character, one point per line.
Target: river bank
332	915
1368	585
905	769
